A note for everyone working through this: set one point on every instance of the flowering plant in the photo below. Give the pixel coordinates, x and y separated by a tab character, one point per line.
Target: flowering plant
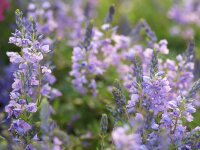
31	84
155	100
155	117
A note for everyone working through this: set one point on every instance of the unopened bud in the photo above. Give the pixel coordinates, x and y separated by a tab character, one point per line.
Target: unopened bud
109	17
17	12
103	124
31	19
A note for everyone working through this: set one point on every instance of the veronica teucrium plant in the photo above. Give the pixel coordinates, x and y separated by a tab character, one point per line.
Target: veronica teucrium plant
100	49
32	79
156	119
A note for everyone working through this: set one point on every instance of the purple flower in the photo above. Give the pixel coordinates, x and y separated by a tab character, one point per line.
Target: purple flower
20	127
166	119
49	78
17	85
45	49
13	109
29	147
14	57
157	91
29	56
36	138
46	90
49	92
154	125
31	107
123	140
55	93
158	140
131	106
56	144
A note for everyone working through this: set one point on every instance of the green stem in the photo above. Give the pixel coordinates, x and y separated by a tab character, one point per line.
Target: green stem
102	142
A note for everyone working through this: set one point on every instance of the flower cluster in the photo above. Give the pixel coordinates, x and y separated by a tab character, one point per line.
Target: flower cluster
160	97
159	107
32	79
99	50
179	72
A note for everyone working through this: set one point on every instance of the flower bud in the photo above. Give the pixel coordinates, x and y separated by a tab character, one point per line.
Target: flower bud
103	124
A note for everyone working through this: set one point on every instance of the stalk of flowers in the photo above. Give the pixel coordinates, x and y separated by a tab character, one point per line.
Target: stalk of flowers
114	45
93	62
100	50
145	53
161	118
180	71
32	80
103	129
155	86
84	62
186	69
178	112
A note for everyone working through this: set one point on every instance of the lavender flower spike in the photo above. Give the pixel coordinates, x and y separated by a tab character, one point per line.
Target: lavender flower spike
32	77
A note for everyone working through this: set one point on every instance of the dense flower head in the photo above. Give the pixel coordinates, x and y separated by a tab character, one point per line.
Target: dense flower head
157	91
165	102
